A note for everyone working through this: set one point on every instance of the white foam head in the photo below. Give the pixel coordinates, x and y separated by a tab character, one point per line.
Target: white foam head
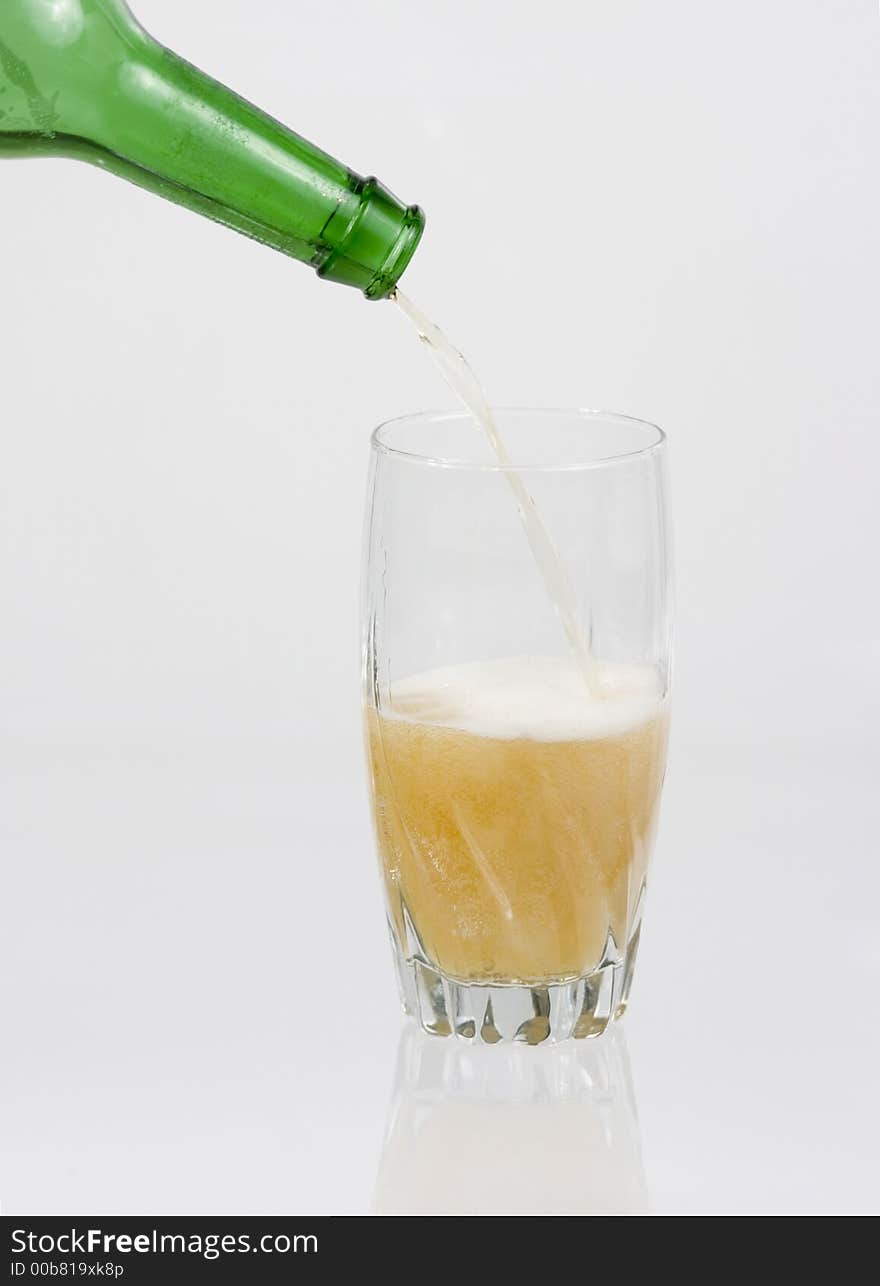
543	698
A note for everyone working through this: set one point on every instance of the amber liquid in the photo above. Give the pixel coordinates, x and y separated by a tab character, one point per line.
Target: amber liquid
513	857
514	835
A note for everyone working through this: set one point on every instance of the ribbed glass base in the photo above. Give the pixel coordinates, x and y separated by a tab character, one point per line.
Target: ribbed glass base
532	1014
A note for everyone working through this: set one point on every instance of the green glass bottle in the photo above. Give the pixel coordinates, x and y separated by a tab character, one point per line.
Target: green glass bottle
82	78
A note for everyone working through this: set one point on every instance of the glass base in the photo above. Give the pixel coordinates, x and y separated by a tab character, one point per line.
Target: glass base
579	1008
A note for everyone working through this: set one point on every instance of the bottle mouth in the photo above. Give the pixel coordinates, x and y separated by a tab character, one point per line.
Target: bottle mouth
409	236
376	244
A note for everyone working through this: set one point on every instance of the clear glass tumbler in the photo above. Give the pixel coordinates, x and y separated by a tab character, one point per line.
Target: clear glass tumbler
516	712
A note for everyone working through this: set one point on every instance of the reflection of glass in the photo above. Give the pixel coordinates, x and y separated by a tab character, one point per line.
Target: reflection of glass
516	781
511	1130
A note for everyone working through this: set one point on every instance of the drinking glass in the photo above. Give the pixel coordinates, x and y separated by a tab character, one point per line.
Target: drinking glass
516	669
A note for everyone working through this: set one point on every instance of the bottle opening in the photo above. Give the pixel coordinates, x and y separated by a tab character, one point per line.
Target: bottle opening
375	244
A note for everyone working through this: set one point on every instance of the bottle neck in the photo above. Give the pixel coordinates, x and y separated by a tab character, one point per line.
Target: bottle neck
110	94
370	238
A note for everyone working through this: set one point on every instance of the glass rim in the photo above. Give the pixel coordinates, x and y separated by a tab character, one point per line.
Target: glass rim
381	446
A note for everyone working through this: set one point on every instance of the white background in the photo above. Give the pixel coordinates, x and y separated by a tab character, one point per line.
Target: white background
668	210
